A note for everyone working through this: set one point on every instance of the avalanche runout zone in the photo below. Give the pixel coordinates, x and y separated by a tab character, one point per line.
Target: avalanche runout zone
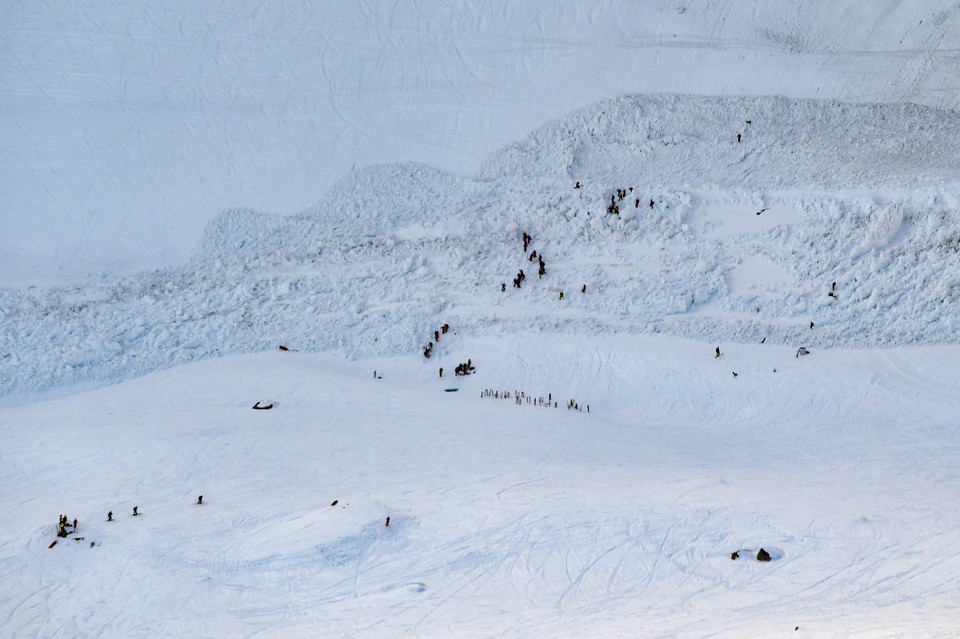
853	197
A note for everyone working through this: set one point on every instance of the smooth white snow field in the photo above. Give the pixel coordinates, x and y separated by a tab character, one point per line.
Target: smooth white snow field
745	334
505	519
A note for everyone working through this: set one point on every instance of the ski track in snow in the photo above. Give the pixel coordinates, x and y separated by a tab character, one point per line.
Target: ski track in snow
505	519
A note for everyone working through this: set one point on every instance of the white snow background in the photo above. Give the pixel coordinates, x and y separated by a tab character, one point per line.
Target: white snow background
145	150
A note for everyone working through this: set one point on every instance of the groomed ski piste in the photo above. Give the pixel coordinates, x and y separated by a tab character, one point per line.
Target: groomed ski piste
754	347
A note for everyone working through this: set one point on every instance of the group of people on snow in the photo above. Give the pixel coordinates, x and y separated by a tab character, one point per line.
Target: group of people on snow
521	276
428	349
63	525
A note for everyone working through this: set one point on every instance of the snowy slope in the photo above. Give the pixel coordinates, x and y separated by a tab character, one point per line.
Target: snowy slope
410	148
125	128
505	519
392	249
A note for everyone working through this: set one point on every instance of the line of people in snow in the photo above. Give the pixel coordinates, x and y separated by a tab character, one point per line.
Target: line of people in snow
521	397
428	349
521	276
542	266
64	522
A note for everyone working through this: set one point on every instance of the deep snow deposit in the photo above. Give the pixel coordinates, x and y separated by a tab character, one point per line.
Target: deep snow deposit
858	244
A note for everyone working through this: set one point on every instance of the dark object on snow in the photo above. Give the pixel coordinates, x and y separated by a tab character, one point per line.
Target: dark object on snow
257	406
651	204
583	289
199	500
802	351
734	556
334	503
283	348
91	544
388	521
135	513
52	544
811	324
761	211
734	373
110	516
561	294
450	390
738	137
577	185
718	353
833	286
441	371
763	555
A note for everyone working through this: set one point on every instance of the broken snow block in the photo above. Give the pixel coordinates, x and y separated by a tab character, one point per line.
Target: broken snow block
763	555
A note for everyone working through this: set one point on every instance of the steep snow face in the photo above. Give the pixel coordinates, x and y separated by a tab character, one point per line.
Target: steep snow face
855	246
124	128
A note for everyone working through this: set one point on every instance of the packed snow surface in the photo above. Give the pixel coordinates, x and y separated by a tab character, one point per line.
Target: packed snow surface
744	335
505	519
